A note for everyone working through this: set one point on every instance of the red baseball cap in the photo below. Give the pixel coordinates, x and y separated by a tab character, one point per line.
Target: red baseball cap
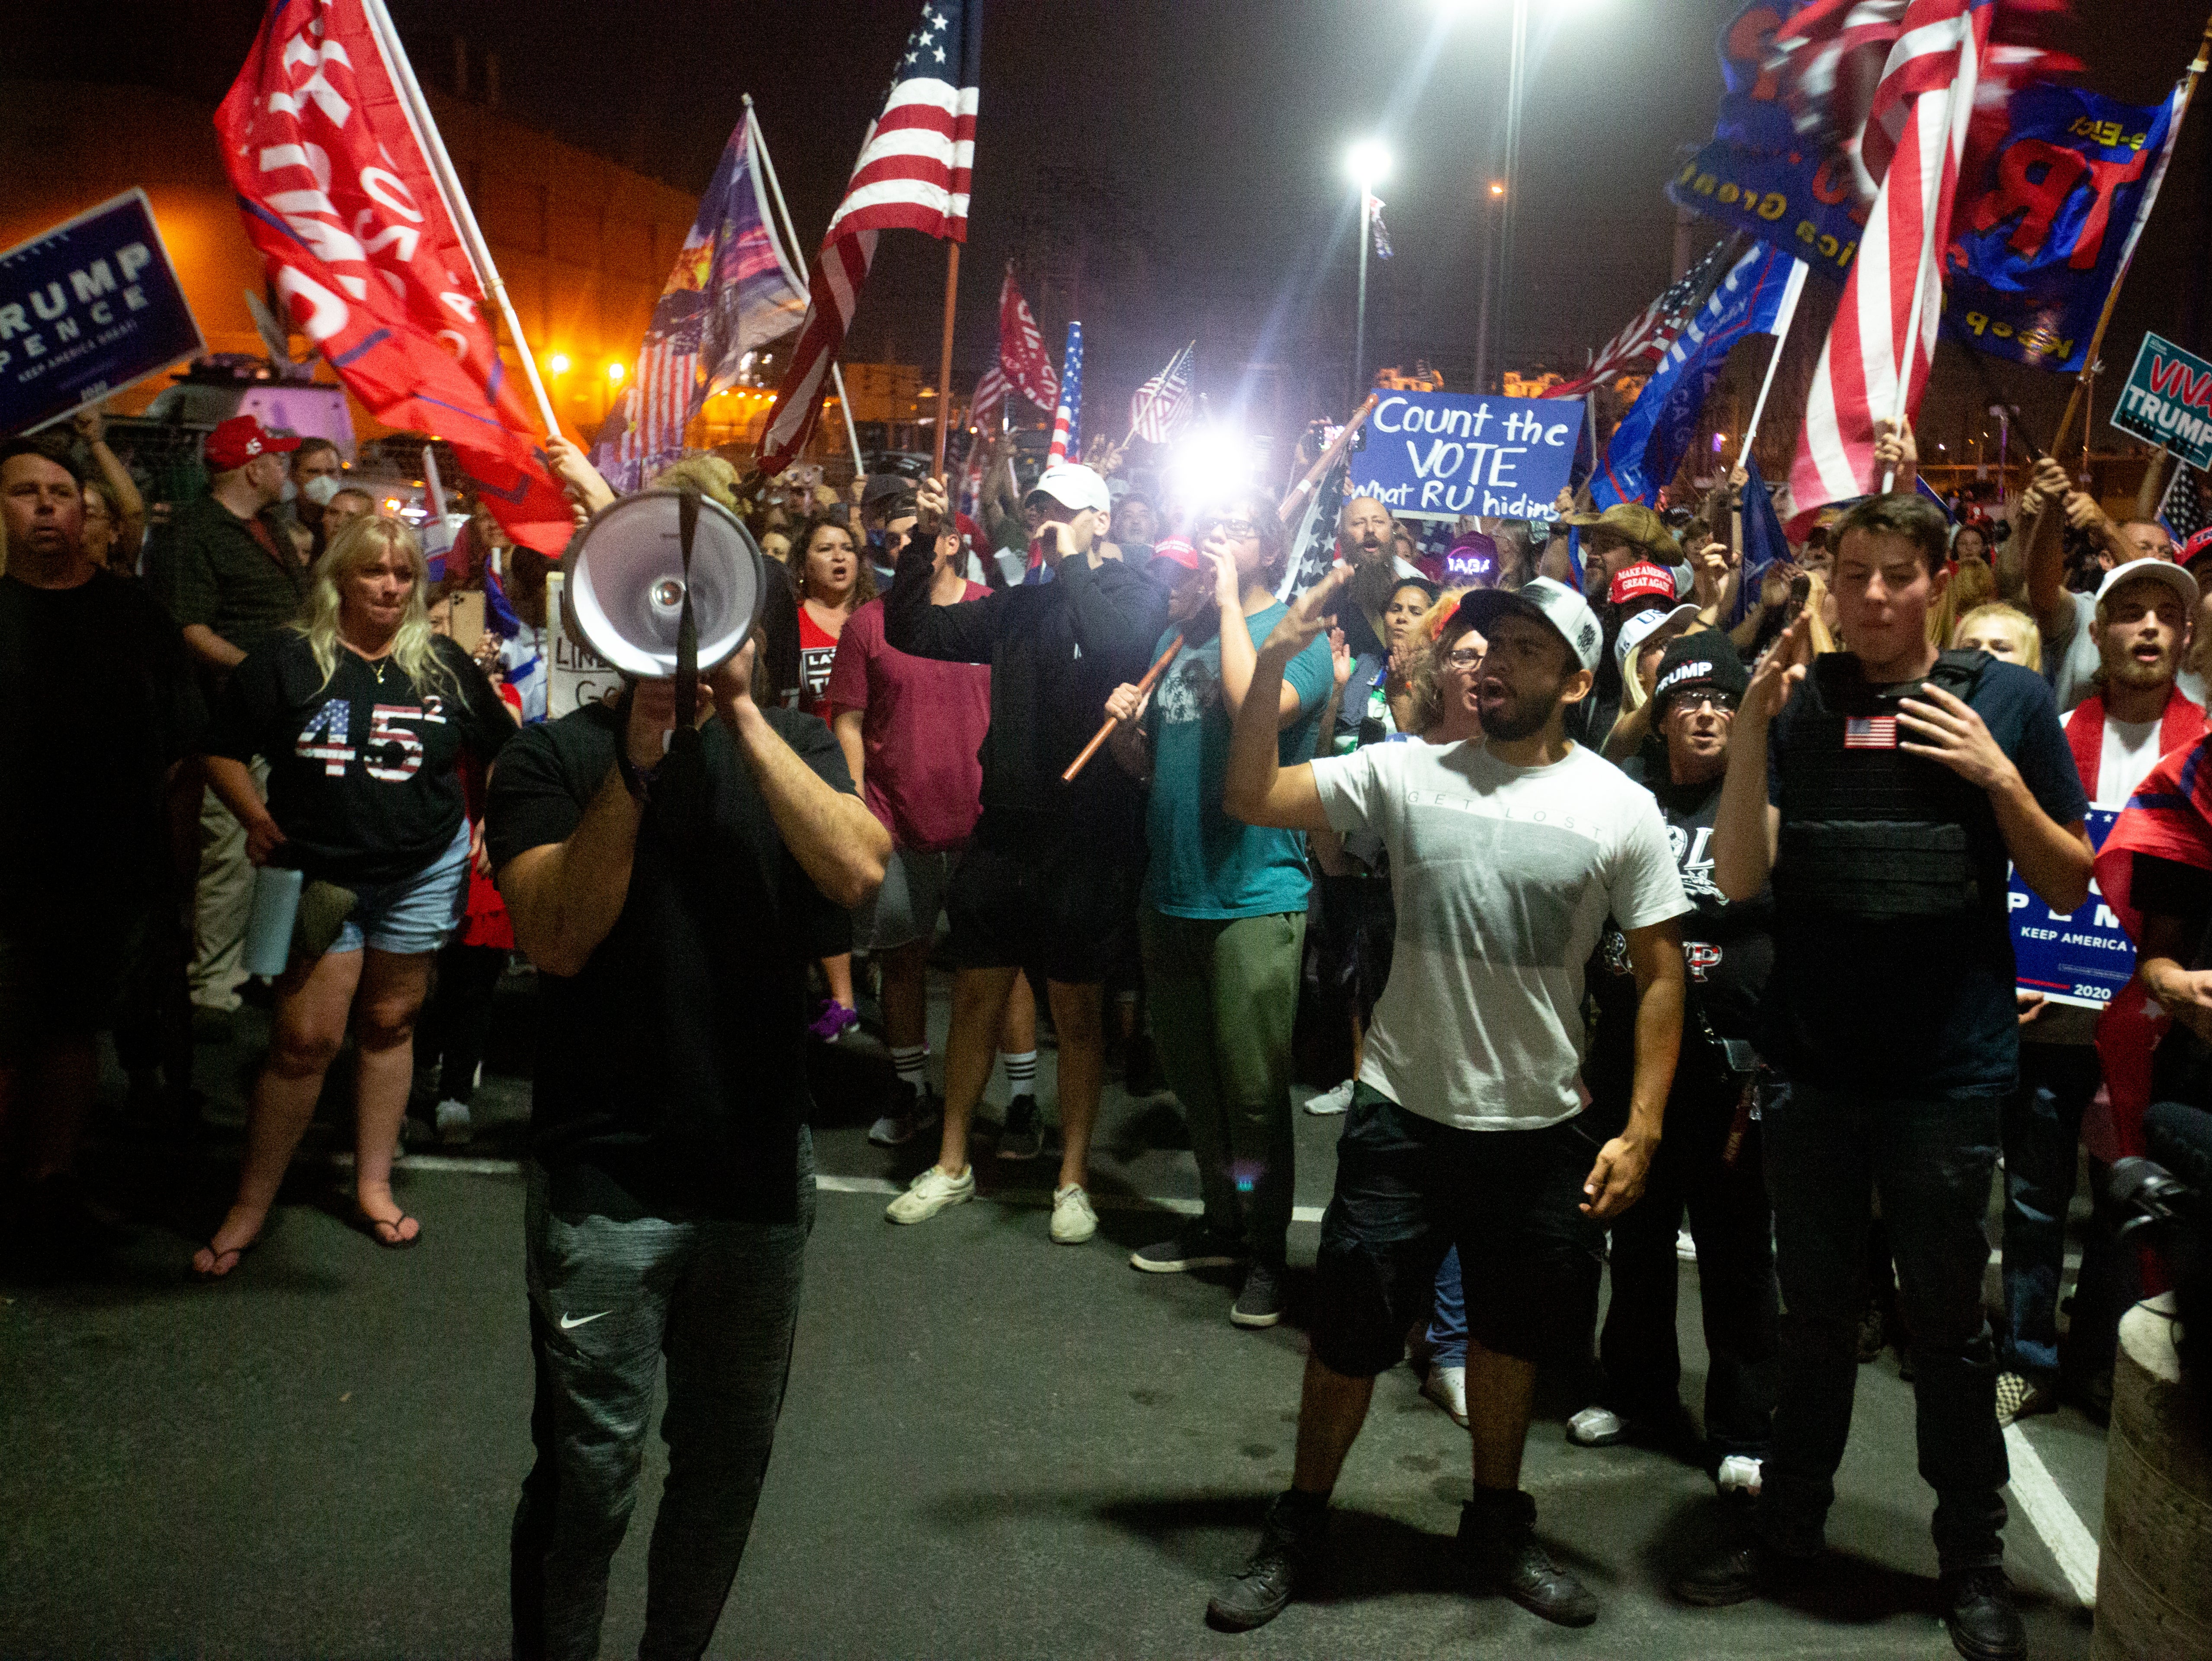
1178	551
2194	548
1642	580
239	439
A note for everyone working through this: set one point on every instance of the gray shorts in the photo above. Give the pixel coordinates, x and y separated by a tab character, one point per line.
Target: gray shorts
906	908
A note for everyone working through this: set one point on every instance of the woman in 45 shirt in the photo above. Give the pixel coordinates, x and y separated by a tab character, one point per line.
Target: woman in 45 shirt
362	713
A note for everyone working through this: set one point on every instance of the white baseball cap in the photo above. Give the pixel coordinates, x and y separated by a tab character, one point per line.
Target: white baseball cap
1640	627
2164	569
1553	603
1074	485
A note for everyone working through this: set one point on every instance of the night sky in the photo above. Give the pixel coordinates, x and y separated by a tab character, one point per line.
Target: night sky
1176	167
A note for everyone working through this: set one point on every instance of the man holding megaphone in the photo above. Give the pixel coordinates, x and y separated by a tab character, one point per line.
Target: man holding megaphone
667	892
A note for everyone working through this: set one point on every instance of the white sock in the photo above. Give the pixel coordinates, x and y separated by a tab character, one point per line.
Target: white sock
1021	1072
912	1065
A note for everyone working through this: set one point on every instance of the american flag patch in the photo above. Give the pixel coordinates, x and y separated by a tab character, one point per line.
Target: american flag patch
1870	733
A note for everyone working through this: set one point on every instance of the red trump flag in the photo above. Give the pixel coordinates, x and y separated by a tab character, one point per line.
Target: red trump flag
336	191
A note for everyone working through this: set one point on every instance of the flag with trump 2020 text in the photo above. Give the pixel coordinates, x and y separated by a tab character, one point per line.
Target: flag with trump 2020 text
339	198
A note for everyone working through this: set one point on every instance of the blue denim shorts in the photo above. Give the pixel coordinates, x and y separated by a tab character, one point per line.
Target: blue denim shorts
415	914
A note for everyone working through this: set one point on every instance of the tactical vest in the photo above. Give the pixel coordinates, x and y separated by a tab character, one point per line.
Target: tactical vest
1868	829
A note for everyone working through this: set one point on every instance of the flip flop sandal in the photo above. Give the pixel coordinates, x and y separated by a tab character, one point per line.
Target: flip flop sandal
208	1276
375	1225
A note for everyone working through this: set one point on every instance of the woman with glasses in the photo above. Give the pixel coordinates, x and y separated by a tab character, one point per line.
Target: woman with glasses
1224	919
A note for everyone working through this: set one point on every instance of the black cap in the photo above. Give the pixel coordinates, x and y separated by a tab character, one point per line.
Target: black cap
1704	660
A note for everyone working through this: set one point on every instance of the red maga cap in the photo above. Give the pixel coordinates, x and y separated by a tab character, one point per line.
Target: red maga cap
1642	580
239	439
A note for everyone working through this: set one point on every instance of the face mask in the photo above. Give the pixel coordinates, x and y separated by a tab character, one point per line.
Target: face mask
320	489
290	492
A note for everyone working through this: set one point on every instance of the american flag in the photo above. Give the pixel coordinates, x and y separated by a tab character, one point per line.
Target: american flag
1870	733
912	175
1067	419
1160	409
1864	374
2184	510
1021	365
1382	231
1646	339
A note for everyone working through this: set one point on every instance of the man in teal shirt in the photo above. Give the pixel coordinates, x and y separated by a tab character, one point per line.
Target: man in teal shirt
1223	919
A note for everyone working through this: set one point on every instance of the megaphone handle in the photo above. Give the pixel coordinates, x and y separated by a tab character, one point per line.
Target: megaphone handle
686	628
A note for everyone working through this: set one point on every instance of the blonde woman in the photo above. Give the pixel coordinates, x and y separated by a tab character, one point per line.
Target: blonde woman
362	713
2003	631
1971	586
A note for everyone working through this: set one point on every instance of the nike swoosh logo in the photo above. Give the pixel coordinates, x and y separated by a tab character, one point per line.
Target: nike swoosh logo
570	1324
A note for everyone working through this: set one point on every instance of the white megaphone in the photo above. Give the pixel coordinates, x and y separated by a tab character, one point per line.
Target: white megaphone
623	584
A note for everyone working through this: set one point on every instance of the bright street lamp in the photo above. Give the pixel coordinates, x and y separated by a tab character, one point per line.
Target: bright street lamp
1369	164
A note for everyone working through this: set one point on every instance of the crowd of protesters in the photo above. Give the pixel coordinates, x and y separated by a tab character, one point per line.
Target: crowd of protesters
1566	835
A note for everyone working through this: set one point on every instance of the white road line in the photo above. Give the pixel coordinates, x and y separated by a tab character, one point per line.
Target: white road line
2053	1517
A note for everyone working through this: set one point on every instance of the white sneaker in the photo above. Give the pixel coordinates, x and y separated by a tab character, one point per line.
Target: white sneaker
1739	1474
1686	1249
453	1125
1594	1427
1338	1100
1447	1388
1074	1221
929	1194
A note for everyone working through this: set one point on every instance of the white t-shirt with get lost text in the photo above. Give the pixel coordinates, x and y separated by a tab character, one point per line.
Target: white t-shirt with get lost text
1502	878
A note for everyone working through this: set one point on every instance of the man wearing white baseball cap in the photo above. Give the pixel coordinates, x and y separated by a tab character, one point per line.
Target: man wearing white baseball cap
1074	497
1509	845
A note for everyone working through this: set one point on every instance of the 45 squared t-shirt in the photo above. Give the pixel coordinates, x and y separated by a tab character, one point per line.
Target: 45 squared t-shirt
362	776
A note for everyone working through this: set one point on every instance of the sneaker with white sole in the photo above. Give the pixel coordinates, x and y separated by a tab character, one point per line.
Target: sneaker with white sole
453	1126
929	1194
1023	1134
1194	1247
1739	1474
1447	1388
2021	1398
1074	1221
913	1112
1595	1427
1260	1304
1338	1100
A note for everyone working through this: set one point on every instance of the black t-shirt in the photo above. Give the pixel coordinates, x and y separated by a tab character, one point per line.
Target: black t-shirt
362	775
672	1073
98	698
1727	948
1919	1006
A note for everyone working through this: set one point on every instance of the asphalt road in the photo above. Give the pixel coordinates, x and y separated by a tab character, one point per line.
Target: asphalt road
992	1447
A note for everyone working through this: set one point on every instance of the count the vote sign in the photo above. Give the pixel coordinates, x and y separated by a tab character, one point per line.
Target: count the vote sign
1439	455
2083	959
2168	401
88	308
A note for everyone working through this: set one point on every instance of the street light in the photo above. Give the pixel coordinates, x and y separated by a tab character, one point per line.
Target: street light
1369	164
1494	200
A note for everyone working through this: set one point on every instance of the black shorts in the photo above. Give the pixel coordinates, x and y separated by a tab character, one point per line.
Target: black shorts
1407	1190
1041	900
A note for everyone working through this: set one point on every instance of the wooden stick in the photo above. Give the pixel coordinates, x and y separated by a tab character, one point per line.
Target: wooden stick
1106	732
945	357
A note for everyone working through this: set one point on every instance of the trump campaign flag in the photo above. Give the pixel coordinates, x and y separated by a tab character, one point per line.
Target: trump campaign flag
913	172
1067	419
1021	365
1758	293
732	292
336	188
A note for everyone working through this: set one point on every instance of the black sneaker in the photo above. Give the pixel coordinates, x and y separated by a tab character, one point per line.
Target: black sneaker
1979	1609
1496	1534
1292	1541
1023	1138
911	1113
1194	1247
1737	1573
1261	1303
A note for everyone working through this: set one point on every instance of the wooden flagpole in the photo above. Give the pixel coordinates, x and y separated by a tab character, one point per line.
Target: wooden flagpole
775	189
418	111
2195	73
945	357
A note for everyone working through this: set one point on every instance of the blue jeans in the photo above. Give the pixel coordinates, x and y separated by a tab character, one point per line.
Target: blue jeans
2042	1127
1448	1315
1826	1150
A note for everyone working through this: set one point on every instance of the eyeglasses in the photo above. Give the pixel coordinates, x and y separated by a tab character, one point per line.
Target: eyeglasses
1237	529
1720	703
1466	658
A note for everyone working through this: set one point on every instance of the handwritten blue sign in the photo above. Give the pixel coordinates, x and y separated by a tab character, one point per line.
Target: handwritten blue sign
2082	960
1439	455
88	308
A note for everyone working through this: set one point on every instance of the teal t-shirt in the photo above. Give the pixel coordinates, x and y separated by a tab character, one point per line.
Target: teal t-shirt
1204	863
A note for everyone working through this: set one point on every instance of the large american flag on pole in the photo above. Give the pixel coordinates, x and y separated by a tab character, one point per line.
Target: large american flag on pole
912	175
1652	330
1875	363
1068	418
1021	365
1160	409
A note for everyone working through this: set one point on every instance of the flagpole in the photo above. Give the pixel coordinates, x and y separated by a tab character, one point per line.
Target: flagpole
2188	80
945	356
790	235
1780	339
1131	438
417	110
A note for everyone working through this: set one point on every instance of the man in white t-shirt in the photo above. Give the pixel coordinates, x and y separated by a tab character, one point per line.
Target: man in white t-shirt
1507	851
2140	625
2070	654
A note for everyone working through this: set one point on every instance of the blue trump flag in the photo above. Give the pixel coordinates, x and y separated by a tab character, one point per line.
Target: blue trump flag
1650	443
1764	544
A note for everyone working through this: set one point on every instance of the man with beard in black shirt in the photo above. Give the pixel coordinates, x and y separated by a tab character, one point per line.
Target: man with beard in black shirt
1709	1161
